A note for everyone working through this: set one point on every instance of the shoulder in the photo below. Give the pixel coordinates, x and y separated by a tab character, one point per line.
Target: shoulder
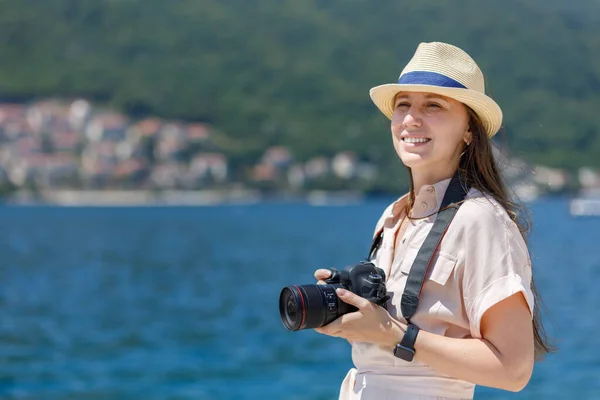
481	216
482	210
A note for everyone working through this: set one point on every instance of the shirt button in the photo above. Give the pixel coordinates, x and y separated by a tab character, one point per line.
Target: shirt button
430	189
424	205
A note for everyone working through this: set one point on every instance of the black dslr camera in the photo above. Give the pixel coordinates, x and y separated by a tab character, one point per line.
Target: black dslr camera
313	306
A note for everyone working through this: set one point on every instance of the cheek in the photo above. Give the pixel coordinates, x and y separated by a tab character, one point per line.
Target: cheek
396	129
397	143
397	120
447	143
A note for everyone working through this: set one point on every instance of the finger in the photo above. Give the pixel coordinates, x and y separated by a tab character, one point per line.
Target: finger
322	274
348	297
331	328
328	332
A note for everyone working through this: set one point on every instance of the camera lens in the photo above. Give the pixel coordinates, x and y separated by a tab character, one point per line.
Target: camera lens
291	308
310	306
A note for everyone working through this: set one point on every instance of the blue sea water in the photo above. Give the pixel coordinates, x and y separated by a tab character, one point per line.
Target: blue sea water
181	303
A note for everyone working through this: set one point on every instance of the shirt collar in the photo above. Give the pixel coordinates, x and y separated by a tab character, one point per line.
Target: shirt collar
427	201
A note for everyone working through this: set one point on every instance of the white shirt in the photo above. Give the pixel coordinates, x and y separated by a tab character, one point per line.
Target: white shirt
482	260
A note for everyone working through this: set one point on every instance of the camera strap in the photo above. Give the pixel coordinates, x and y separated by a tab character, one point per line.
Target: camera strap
453	198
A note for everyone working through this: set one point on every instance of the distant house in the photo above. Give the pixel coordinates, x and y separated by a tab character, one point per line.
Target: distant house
148	128
97	174
344	165
131	171
12	130
316	167
589	178
79	113
108	126
26	146
65	141
98	163
13	118
131	148
49	116
265	173
277	156
60	170
37	118
169	149
207	167
45	170
173	129
100	152
167	176
171	143
21	174
272	165
296	176
197	133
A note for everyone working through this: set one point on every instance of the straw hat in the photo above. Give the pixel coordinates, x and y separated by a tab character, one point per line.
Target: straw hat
446	70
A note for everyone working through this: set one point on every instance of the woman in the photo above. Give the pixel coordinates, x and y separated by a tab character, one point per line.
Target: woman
476	322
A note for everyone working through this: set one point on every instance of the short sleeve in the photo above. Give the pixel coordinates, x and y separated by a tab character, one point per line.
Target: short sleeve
496	262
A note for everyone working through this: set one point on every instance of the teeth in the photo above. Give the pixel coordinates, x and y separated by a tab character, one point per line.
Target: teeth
416	140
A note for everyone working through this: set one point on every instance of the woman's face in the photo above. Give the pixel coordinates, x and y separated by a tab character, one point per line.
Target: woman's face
429	131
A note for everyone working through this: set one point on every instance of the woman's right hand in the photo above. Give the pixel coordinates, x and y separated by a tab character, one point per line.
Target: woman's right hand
321	275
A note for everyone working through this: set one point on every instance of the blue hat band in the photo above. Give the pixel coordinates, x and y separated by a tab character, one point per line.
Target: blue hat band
429	78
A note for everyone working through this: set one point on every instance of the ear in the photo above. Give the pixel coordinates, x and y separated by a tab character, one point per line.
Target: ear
468	137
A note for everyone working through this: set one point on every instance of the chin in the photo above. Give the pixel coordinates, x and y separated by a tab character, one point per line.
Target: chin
413	160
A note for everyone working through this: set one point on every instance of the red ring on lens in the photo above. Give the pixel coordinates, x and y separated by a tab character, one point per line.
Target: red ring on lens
303	307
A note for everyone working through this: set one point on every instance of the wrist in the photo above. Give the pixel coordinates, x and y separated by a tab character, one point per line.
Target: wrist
396	334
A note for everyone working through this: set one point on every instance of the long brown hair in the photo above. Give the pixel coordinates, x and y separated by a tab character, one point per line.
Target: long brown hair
477	169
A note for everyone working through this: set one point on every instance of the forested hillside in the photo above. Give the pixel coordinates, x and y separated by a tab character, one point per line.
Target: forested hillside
297	73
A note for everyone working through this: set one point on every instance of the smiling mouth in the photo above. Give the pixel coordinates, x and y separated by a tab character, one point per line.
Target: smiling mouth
415	140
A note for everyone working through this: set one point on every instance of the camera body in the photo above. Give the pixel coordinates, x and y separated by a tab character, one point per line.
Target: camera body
312	306
363	279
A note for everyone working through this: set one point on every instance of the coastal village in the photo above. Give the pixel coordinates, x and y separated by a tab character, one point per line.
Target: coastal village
74	152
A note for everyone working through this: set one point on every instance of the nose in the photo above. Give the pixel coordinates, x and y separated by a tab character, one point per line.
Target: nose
411	118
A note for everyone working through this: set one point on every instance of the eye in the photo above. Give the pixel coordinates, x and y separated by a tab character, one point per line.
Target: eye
402	104
433	105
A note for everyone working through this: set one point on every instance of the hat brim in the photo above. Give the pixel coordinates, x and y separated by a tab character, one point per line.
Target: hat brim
486	109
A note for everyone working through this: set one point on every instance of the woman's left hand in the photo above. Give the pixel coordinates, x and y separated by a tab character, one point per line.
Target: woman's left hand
370	324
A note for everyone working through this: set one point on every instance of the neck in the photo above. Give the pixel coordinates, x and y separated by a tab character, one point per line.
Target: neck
428	177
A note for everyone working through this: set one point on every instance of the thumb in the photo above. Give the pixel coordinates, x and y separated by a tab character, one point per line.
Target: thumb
351	298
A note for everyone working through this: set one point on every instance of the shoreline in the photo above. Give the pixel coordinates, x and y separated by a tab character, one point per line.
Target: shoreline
211	197
175	198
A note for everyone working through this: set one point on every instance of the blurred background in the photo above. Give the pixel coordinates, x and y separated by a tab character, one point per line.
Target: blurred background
167	167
